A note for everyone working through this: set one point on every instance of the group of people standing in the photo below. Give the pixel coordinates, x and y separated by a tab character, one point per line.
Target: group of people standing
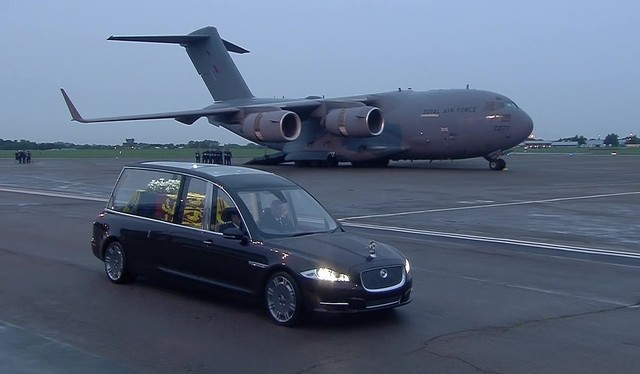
215	157
23	157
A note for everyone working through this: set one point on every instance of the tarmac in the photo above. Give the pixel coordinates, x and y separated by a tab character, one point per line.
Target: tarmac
530	269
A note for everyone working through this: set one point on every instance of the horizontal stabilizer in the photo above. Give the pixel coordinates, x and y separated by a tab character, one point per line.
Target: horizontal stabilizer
174	39
183	40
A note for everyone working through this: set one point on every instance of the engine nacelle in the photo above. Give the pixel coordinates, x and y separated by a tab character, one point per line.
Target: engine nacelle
275	126
356	122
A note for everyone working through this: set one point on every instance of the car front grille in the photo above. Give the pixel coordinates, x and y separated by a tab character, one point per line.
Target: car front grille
382	279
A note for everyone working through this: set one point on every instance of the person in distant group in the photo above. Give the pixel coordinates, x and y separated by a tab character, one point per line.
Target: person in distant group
217	156
227	156
28	156
197	156
205	157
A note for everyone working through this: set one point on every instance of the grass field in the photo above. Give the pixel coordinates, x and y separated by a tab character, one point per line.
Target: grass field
134	153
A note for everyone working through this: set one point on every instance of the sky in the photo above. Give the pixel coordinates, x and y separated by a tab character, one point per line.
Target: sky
572	66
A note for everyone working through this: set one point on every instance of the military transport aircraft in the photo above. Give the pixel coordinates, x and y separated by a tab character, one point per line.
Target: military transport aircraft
366	130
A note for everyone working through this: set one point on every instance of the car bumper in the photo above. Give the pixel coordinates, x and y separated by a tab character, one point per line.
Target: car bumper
336	298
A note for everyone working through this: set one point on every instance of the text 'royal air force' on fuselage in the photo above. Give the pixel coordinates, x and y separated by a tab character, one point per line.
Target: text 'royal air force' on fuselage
366	130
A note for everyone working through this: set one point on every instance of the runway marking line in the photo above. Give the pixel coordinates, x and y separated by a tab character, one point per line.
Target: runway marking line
345	222
491	205
524	243
551	292
51	194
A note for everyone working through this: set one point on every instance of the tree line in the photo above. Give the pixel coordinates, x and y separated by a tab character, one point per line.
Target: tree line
27	144
612	140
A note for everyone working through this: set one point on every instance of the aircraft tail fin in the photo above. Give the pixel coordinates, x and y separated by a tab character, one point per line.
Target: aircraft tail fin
210	55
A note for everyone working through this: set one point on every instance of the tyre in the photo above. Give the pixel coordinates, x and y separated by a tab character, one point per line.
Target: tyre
115	264
497	164
332	162
283	299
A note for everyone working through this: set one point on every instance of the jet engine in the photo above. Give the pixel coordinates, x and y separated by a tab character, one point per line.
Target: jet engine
274	126
356	122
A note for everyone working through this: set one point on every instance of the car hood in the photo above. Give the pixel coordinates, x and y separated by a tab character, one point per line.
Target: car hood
339	248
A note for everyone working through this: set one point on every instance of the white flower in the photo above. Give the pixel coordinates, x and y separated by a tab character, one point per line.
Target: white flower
164	185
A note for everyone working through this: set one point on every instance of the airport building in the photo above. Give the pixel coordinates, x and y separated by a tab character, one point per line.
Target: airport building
591	143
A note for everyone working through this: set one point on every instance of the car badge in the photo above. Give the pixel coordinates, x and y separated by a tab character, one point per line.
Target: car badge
384	273
372	249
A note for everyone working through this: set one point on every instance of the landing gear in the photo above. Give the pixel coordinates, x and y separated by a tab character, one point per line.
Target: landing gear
330	162
497	164
371	164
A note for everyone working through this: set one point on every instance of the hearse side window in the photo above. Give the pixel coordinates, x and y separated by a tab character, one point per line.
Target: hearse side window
222	210
146	193
192	211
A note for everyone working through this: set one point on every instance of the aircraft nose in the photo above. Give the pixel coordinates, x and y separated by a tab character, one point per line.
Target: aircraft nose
524	125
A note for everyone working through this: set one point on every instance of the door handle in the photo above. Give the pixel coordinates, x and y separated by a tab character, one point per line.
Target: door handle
208	242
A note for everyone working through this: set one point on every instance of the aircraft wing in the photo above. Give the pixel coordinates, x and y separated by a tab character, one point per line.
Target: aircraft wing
303	107
187	117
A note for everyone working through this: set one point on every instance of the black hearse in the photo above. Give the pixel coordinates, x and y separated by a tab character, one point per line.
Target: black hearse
248	231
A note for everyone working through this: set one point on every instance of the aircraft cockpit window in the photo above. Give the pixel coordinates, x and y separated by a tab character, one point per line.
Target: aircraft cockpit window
495	105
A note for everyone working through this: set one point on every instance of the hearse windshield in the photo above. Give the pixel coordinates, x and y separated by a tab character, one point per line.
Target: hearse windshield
287	211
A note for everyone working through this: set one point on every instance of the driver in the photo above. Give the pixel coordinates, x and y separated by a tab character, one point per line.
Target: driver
277	217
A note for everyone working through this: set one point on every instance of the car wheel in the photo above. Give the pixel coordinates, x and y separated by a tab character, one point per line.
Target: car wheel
115	264
283	299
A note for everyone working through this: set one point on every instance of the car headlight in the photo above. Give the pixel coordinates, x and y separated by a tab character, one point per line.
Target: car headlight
407	266
325	274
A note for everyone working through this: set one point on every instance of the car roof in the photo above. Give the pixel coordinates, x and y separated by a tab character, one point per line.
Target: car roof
232	176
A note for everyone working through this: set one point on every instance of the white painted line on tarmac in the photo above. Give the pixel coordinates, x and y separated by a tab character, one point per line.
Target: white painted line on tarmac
551	292
52	194
345	222
493	205
523	243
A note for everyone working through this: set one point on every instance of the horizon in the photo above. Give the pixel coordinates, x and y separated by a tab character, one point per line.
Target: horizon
572	74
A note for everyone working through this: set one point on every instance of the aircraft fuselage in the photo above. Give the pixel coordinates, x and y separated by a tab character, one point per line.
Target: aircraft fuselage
419	125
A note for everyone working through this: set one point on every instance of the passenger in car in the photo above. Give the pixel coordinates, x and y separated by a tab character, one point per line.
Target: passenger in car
231	218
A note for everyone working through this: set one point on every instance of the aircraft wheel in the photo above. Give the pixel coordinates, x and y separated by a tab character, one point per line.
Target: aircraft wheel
497	164
370	164
332	161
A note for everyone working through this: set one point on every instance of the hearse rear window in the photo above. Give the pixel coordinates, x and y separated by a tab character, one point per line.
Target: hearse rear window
146	193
